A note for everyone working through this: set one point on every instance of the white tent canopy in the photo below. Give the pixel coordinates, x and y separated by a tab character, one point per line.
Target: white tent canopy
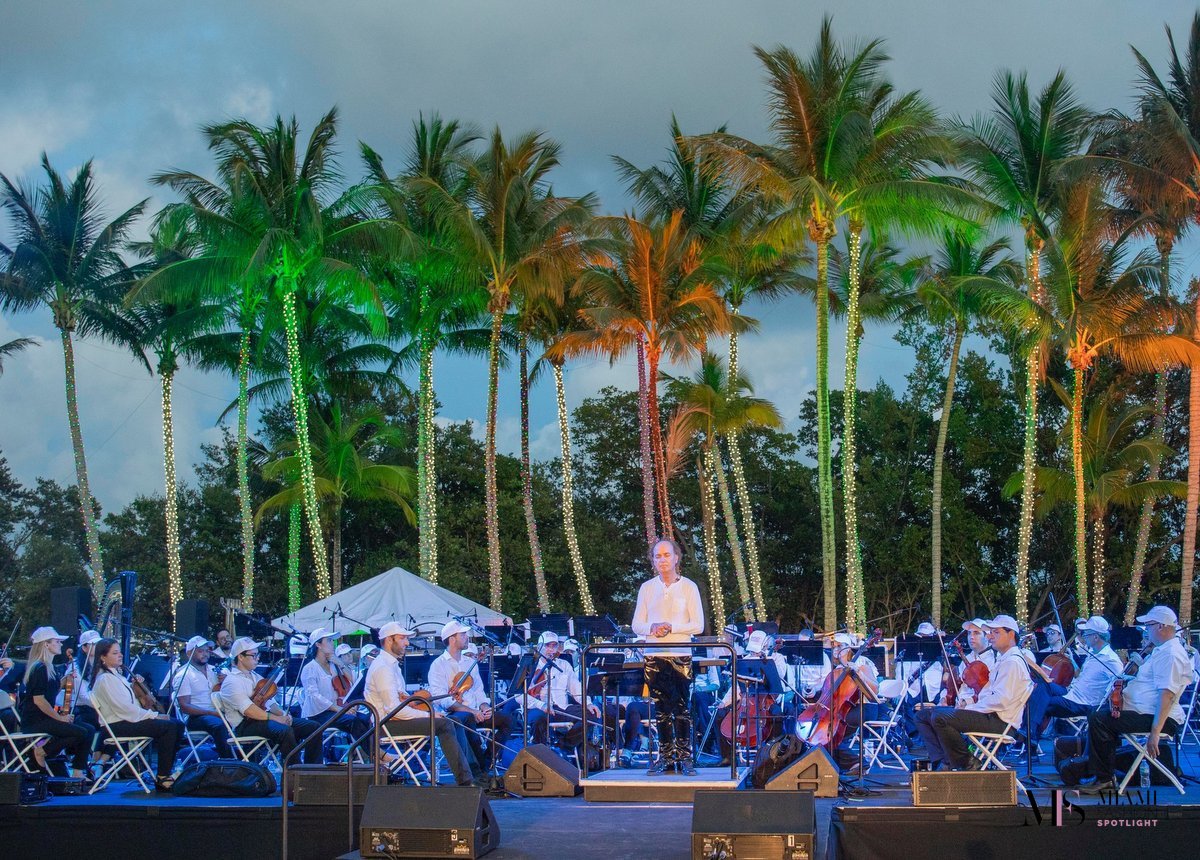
394	595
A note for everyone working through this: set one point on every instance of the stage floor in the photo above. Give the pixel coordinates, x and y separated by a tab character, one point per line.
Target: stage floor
125	823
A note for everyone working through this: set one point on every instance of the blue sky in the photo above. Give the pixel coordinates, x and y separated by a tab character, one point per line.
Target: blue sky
129	83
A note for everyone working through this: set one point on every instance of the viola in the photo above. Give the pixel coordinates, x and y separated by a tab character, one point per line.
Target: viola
1116	694
839	696
68	691
975	674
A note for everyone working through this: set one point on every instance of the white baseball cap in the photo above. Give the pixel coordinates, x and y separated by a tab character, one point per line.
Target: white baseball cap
367	650
974	624
321	633
570	645
925	629
1003	621
342	650
548	637
844	639
1050	627
757	641
242	645
192	644
394	628
1096	624
452	627
1162	614
89	637
44	634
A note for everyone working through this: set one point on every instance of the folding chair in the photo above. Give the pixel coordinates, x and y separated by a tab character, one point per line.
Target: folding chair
1137	740
128	752
407	751
21	744
193	740
1190	717
988	744
877	733
246	746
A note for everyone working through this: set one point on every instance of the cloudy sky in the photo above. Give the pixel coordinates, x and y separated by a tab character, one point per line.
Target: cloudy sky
129	83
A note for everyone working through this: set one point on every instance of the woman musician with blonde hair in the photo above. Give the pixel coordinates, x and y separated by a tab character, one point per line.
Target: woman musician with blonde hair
38	711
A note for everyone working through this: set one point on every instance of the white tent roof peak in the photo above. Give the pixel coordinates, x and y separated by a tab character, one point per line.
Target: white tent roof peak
393	595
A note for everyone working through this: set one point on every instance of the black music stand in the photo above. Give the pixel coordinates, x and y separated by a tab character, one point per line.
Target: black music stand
865	696
555	622
763	673
590	627
507	633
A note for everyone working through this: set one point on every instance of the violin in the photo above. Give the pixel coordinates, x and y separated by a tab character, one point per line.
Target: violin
1116	694
266	688
141	692
464	680
68	686
950	684
838	697
975	674
343	682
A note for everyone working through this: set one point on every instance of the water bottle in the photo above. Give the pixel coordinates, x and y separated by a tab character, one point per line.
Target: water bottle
1144	775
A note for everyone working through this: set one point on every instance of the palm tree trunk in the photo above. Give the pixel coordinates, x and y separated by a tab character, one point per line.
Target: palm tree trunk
245	506
535	545
1188	579
568	495
824	467
295	523
171	493
1081	583
939	456
81	473
1029	453
1157	434
856	615
707	514
743	493
656	440
426	451
335	540
735	546
304	444
1098	537
648	486
491	513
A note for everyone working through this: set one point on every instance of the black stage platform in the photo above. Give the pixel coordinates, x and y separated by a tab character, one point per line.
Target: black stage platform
121	823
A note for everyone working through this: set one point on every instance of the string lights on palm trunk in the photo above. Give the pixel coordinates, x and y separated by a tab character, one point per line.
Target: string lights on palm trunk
245	505
174	571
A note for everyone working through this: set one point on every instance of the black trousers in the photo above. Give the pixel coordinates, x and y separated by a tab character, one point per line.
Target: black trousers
475	742
73	738
670	683
167	734
573	713
1104	736
942	730
286	737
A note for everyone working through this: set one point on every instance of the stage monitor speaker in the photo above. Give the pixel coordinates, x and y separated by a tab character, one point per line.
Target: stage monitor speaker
964	788
191	618
66	605
539	771
814	771
778	825
415	821
325	785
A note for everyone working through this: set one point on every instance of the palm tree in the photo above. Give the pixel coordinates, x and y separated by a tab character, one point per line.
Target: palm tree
954	294
446	298
346	448
1016	155
521	238
844	147
712	404
66	258
172	330
1114	457
294	234
12	347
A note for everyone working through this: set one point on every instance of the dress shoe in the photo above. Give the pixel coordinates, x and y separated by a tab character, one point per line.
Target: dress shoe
658	768
685	767
1098	787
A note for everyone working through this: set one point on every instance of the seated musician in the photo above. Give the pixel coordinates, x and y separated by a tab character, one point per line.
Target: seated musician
38	713
8	713
1000	703
320	698
1149	701
922	679
267	720
556	683
224	644
1089	685
757	647
385	689
193	694
979	651
810	677
471	710
115	701
82	668
844	645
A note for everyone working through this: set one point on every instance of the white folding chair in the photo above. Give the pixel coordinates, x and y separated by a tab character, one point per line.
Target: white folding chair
247	747
989	744
876	733
127	752
21	744
1190	718
406	751
193	740
1137	740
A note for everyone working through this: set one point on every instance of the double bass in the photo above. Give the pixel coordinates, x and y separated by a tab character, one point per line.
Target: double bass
839	696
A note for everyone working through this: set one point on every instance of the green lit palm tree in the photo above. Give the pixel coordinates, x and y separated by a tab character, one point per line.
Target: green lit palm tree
1016	154
347	462
66	258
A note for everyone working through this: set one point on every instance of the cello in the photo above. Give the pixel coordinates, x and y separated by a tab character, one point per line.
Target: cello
839	696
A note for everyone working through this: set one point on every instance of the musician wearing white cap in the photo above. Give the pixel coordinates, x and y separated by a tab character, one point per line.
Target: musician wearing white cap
555	684
38	713
467	705
1088	687
980	650
1149	701
669	609
193	694
1000	702
267	720
386	689
321	700
81	669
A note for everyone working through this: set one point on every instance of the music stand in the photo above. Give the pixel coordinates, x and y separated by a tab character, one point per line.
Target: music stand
416	669
1127	638
865	696
555	622
506	633
590	627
